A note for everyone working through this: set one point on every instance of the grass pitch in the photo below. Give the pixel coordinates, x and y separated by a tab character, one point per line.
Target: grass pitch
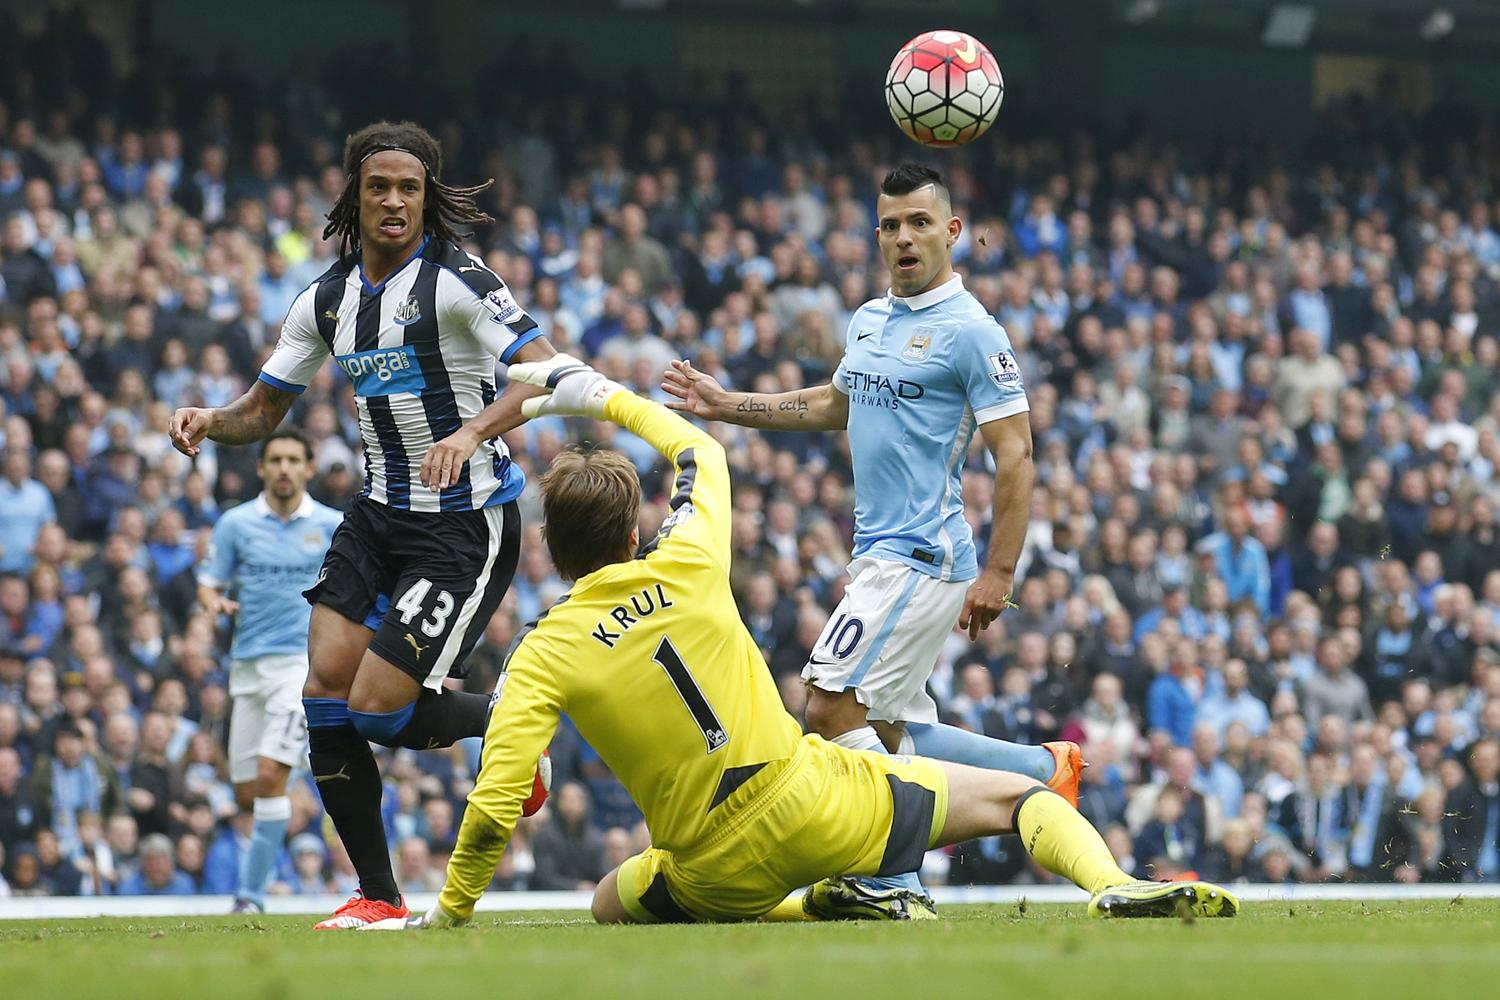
1272	950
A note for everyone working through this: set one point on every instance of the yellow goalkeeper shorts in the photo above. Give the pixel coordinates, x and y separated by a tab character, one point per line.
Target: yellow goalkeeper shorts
830	811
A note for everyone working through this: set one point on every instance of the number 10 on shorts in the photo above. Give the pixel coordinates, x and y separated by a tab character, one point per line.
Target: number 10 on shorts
841	637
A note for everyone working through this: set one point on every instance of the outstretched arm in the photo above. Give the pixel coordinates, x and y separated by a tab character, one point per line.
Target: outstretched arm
521	725
700	500
817	408
252	417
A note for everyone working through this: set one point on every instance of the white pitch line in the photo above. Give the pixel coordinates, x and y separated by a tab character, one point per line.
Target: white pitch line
63	907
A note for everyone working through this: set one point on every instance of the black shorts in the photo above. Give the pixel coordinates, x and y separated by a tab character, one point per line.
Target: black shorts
425	583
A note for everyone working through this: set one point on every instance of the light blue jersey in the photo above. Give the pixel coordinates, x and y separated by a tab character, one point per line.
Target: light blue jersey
921	373
265	563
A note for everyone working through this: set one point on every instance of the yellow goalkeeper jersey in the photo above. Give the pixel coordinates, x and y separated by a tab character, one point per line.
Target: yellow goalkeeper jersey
651	661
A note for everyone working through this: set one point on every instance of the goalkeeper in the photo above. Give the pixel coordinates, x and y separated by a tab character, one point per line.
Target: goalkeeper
649	658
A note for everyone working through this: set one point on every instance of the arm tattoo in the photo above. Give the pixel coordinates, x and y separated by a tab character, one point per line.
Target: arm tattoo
796	405
757	408
754	408
253	416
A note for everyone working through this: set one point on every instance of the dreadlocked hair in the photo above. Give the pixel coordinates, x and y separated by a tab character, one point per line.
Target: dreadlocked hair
443	206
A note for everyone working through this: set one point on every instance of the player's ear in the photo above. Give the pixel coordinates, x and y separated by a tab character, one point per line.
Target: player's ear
955	226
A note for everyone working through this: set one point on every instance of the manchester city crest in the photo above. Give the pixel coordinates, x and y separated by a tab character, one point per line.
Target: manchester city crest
919	346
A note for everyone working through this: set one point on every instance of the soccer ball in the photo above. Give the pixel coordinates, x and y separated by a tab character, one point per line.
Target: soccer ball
944	88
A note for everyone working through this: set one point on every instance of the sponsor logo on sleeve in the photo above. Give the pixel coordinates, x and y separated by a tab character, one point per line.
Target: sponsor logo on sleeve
1004	369
502	305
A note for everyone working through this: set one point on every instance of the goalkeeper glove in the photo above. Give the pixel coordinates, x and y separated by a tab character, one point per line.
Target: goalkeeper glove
437	917
576	389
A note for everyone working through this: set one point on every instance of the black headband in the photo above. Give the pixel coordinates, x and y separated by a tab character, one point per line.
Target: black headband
392	147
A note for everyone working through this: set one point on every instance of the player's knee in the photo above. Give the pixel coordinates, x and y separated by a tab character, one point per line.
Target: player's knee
1006	793
372	699
270	778
831	715
321	685
607	908
380	686
245	793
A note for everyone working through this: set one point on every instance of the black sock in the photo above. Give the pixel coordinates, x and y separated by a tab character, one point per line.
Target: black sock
438	720
350	785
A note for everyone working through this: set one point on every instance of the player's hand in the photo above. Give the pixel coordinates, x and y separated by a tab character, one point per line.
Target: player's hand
218	604
987	597
444	462
575	389
698	394
188	427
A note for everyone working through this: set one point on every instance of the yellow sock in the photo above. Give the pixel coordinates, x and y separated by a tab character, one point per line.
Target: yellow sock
1065	843
789	909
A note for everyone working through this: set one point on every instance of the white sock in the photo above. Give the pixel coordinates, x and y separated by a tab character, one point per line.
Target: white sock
863	738
273	809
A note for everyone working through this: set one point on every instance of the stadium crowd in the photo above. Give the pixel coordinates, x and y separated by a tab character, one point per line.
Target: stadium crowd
1261	583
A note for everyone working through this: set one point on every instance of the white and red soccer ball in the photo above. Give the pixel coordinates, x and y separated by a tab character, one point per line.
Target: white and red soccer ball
944	88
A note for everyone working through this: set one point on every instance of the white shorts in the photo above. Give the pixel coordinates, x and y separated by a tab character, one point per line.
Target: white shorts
884	639
267	719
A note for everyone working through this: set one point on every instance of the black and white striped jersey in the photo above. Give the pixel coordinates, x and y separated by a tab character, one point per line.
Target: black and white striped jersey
420	349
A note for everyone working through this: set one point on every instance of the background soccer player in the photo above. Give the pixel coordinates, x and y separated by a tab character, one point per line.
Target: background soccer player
651	662
923	367
264	554
416	324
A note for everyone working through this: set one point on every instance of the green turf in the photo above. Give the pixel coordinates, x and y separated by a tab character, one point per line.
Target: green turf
1271	952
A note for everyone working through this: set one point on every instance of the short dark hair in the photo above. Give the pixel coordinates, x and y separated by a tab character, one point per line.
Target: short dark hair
908	177
590	502
289	434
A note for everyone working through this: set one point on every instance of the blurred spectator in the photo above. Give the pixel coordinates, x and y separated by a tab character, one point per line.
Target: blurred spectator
569	851
25	506
1473	814
158	874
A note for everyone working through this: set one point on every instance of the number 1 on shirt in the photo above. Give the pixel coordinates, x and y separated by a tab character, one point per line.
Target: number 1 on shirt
667	657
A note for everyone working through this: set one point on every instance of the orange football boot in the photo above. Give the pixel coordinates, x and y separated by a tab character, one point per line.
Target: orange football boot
1070	765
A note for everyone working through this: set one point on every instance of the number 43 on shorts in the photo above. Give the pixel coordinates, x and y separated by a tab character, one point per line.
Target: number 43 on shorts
412	604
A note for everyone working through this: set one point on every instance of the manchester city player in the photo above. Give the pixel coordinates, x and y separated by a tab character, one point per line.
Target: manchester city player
924	366
263	555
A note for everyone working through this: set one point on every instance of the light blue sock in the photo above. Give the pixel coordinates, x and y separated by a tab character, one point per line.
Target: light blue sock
959	746
271	818
866	738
